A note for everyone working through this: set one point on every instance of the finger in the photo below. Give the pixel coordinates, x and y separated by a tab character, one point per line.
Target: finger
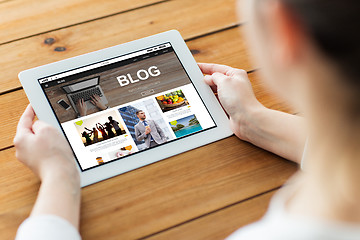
93	102
211	68
214	89
95	98
209	80
24	127
213	81
26	120
218	78
38	125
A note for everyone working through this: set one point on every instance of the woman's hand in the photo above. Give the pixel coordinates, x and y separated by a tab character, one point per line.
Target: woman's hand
235	94
281	133
45	151
42	148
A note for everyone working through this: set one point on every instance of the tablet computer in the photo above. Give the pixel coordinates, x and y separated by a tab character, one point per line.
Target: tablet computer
127	106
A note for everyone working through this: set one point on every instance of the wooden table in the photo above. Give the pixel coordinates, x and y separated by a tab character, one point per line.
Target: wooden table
206	193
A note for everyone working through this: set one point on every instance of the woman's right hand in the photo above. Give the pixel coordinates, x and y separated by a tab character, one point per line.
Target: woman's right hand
235	94
281	133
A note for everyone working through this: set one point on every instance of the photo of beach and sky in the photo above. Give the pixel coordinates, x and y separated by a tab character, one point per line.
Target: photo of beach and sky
185	126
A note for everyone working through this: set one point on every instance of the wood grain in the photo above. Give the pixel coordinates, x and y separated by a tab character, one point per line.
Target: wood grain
12	105
91	36
23	18
220	224
155	197
19	188
200	194
226	47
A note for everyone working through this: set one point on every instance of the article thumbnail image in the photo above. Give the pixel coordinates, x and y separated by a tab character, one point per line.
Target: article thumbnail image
121	152
172	100
185	126
99	128
153	131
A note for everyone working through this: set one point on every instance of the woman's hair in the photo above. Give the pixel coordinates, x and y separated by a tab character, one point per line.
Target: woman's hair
334	27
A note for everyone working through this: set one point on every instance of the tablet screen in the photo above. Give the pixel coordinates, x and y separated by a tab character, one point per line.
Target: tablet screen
112	109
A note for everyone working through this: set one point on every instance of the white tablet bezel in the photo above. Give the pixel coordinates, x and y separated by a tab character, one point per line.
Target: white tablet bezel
29	80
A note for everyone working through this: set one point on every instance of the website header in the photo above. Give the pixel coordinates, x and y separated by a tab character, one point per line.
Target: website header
104	63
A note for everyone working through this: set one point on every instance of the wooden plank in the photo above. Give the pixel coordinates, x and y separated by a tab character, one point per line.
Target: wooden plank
183	15
23	18
227	47
19	188
13	104
155	197
220	224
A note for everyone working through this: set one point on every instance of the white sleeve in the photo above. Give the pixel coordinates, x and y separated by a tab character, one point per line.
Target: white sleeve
47	227
304	156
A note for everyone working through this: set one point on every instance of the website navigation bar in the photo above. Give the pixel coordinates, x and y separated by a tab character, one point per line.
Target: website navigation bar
108	62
